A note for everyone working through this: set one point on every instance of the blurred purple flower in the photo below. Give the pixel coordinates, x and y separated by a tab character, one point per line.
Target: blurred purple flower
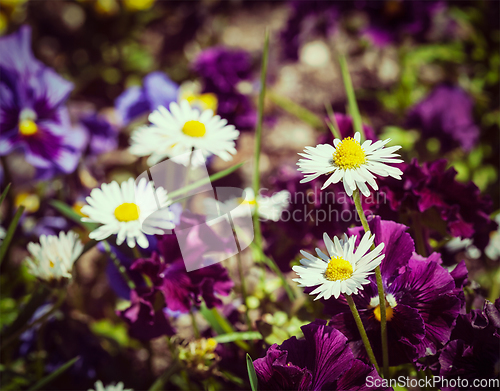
423	299
391	20
309	18
32	112
446	113
157	90
474	350
183	290
102	135
221	70
431	187
322	360
145	317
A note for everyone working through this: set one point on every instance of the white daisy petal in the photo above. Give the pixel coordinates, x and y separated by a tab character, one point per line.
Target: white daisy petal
352	163
344	272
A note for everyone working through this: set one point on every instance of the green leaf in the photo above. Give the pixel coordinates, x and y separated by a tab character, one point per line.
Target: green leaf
71	214
4	194
238	336
10	233
201	182
51	376
254	382
297	110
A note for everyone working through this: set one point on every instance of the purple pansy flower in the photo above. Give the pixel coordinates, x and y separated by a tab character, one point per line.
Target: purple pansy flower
102	135
322	360
423	299
157	90
474	350
221	70
446	113
453	208
33	117
182	290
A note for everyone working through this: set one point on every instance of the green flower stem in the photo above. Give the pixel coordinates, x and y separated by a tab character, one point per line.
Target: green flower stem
194	324
362	331
258	138
243	286
119	266
380	287
10	233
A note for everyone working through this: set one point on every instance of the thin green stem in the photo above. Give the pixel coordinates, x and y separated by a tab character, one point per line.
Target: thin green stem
362	331
122	269
380	288
10	233
418	234
243	286
186	179
258	139
194	324
351	98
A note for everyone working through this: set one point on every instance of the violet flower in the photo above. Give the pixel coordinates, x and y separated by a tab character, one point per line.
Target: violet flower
102	135
322	360
423	299
474	350
446	113
432	190
157	90
33	117
221	70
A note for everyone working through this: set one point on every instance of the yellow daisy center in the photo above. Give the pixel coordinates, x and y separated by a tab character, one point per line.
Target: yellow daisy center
338	269
194	129
51	264
249	202
349	154
389	312
28	127
127	211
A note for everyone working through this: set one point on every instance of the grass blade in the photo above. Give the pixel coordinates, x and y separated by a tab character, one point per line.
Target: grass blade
351	98
71	214
238	336
254	382
201	182
297	110
10	233
4	194
47	379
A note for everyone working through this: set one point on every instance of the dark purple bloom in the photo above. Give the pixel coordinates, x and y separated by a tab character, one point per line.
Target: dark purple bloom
390	20
423	299
103	136
431	190
183	290
446	113
33	117
221	70
309	18
158	90
322	360
146	316
474	350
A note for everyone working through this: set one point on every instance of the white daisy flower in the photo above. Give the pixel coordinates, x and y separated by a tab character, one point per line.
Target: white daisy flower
343	271
124	210
350	162
269	208
181	129
110	387
53	258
